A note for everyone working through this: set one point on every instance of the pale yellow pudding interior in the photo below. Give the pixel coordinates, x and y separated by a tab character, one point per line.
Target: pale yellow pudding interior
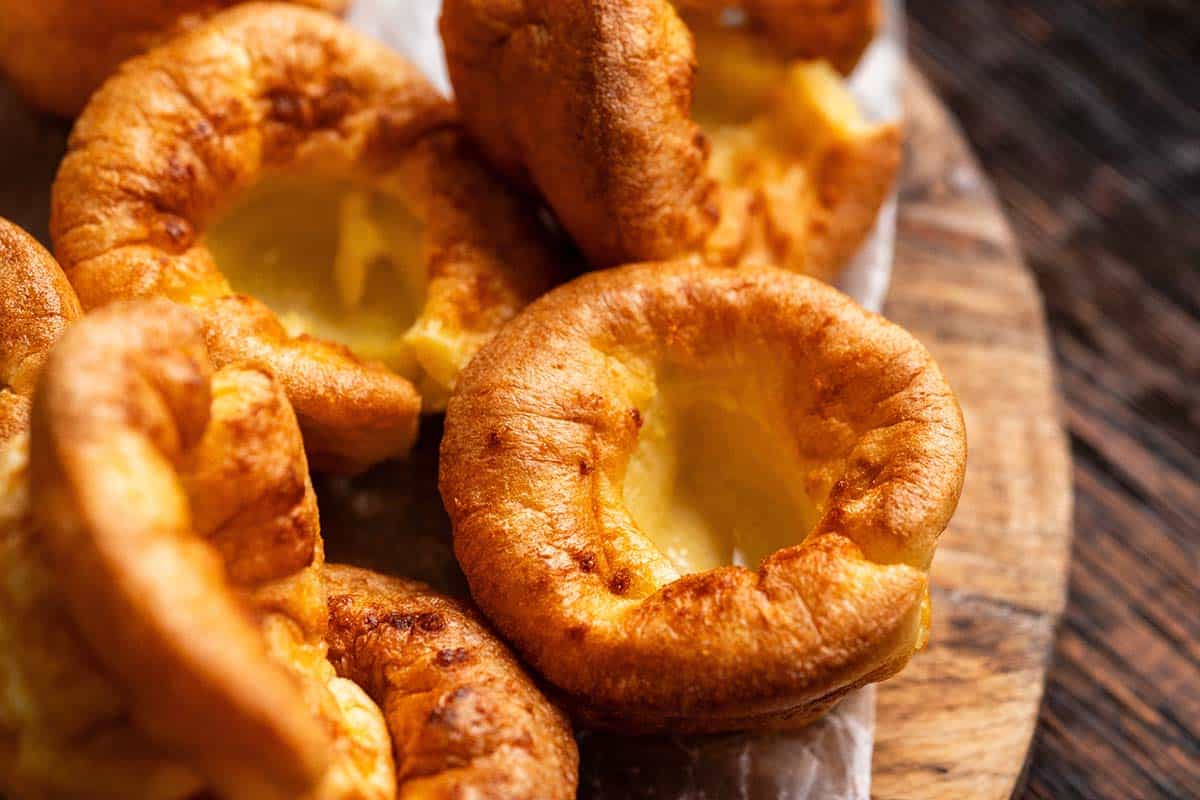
716	479
332	258
743	87
769	123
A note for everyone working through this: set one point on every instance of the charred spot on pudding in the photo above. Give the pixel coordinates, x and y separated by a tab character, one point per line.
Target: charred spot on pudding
586	561
400	621
203	129
431	622
324	108
179	170
619	582
285	105
178	231
340	604
452	657
448	710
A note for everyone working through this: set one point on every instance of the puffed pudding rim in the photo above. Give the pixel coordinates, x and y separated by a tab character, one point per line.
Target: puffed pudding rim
56	52
36	305
168	144
124	398
547	421
837	31
176	511
596	106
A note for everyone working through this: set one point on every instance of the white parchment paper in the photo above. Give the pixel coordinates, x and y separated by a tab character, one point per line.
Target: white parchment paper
832	758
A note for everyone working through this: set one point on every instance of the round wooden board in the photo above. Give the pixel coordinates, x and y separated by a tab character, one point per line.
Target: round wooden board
957	722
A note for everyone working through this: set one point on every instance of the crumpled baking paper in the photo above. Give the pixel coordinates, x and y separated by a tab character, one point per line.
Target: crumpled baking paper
391	519
830	759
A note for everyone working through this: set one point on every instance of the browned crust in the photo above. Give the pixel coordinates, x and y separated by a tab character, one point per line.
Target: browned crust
56	53
36	305
267	87
14	414
488	257
835	30
353	413
121	400
65	732
57	701
464	717
259	87
851	181
532	468
184	506
486	254
590	103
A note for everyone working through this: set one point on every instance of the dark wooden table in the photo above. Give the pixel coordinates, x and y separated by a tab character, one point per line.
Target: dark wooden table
1086	115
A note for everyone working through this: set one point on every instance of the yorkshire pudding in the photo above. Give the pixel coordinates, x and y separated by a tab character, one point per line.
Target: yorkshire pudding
621	448
277	152
837	31
178	556
36	305
60	735
465	719
56	52
591	104
163	614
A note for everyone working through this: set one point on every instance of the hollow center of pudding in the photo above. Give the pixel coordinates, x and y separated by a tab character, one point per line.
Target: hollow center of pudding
753	103
716	479
332	258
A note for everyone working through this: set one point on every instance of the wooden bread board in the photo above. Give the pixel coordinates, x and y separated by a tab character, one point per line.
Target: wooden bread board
958	721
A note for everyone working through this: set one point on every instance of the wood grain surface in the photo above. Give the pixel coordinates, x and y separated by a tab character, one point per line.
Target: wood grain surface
1085	114
958	721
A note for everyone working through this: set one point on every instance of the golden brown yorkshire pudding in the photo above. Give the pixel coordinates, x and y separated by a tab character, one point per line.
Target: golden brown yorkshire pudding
60	728
36	305
199	661
168	576
56	52
64	733
591	103
276	152
837	31
635	432
465	719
